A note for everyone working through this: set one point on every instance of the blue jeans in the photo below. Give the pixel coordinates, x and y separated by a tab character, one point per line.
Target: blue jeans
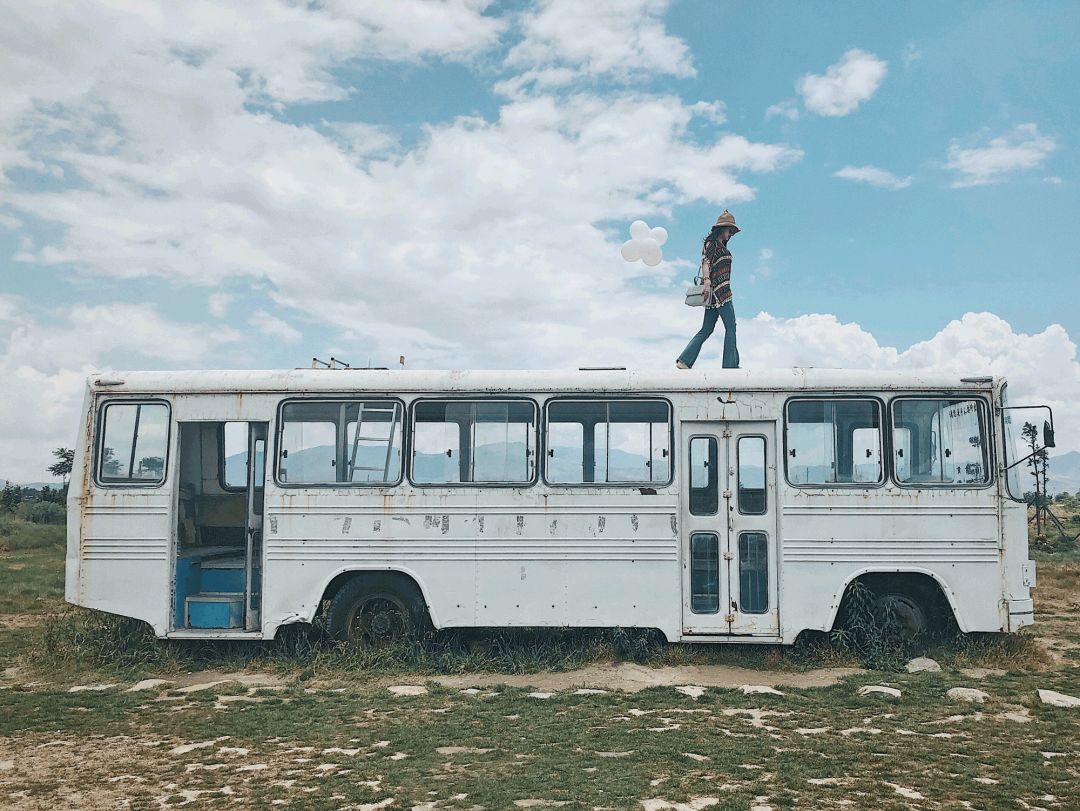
731	351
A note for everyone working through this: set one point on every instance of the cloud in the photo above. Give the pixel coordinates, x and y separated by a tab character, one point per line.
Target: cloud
41	410
275	327
218	304
875	176
845	85
45	363
764	268
621	40
1022	148
1053	180
976	344
784	109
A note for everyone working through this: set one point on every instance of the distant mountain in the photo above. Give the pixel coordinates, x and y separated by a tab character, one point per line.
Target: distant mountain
54	485
1064	473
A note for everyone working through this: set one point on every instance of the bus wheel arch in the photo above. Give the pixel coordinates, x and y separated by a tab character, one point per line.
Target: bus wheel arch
919	598
375	606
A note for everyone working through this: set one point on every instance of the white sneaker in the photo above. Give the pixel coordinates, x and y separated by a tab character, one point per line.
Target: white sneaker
680	365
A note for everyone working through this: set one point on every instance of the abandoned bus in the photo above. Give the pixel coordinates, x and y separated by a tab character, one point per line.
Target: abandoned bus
717	506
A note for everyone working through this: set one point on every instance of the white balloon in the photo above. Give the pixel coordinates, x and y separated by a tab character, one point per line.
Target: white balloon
630	251
659	233
639	229
650	252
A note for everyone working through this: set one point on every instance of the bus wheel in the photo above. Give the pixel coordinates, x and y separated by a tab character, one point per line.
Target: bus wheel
902	611
377	610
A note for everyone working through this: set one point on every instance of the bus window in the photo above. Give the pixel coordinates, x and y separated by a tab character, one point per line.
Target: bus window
753	573
940	442
373	442
752	475
308	444
704	475
866	455
1013	451
340	441
616	441
704	573
833	442
485	441
134	443
234	455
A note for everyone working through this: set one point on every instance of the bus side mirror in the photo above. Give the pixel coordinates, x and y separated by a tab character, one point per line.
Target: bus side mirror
1048	435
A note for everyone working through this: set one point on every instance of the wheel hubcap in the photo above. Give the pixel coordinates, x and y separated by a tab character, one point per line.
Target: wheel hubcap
380	620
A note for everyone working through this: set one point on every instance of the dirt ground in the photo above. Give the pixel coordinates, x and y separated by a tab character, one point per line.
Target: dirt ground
980	734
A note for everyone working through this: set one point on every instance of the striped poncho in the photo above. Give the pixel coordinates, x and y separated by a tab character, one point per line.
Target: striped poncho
716	260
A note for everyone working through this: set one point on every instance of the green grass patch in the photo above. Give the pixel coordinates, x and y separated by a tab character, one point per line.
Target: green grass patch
322	749
31	566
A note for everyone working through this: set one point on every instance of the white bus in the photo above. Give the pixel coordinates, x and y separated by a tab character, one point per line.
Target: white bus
720	506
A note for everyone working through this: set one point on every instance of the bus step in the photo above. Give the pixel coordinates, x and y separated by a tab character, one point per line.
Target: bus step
214	610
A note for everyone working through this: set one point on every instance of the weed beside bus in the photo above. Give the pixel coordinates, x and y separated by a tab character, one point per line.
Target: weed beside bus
714	506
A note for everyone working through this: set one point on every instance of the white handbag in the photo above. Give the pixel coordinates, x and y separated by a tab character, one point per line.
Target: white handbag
697	294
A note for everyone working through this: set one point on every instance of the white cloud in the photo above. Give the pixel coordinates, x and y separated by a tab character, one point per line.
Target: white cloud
1053	180
845	85
875	176
174	171
976	344
274	327
784	109
615	39
218	304
45	365
1022	148
764	268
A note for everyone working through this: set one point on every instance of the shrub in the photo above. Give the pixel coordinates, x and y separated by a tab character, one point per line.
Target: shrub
41	512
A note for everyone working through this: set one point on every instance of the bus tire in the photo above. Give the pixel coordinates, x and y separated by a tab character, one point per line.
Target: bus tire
908	609
378	609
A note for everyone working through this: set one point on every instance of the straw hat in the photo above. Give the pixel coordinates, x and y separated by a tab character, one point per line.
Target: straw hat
727	219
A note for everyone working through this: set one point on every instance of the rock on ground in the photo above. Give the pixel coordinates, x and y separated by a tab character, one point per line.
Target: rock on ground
877	689
1055	699
759	689
969	694
148	684
407	690
923	664
694	691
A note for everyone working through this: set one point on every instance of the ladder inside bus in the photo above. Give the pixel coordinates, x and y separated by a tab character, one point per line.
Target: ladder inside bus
371	410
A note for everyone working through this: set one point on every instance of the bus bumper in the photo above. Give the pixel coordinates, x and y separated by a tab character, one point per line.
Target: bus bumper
1021	613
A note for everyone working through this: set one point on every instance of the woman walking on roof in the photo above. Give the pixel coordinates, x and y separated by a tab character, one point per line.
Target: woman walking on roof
716	275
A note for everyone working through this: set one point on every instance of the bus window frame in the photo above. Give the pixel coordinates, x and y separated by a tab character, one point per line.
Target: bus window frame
279	428
476	398
99	437
988	442
884	444
605	485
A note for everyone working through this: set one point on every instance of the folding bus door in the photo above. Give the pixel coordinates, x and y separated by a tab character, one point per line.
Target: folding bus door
729	529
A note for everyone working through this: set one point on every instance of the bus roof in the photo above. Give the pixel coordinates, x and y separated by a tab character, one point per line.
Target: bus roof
585	380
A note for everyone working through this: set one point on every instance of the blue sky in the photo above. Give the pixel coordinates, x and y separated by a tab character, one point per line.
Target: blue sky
249	185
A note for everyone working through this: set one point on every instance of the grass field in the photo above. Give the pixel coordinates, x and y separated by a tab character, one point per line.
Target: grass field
302	724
